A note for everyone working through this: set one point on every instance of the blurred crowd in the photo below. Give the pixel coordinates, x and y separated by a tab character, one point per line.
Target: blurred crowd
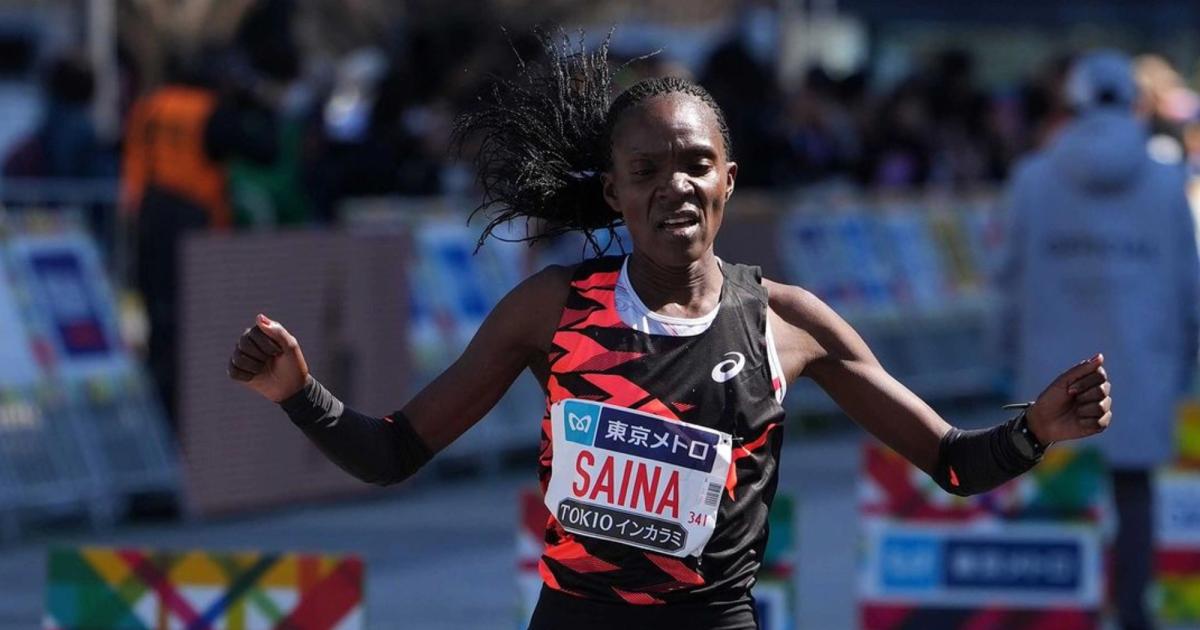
299	137
280	135
377	122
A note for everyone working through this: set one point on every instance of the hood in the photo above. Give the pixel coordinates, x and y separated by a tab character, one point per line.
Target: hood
1102	150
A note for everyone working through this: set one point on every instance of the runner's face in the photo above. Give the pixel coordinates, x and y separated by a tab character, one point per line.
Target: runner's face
670	177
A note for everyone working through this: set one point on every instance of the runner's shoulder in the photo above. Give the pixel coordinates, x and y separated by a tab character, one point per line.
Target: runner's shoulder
805	323
795	305
538	303
535	304
548	287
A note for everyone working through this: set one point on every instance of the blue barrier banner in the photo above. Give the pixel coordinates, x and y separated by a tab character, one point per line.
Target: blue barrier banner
987	564
70	303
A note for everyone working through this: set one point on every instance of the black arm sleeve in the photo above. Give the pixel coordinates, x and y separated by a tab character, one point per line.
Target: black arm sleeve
970	462
376	450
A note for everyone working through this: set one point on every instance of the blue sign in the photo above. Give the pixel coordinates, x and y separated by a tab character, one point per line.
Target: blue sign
911	561
926	562
72	305
1013	564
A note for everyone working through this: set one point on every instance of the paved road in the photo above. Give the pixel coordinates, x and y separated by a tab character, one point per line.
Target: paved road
440	554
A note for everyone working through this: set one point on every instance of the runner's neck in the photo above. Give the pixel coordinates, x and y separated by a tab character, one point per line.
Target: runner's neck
687	292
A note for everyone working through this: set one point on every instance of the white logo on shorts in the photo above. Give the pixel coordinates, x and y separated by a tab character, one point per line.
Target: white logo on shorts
729	368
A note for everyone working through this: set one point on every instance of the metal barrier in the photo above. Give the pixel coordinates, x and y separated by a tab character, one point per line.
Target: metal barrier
912	277
44	470
93	201
121	414
80	430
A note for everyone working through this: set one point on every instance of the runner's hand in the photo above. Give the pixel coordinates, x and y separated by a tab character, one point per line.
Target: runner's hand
268	360
1075	405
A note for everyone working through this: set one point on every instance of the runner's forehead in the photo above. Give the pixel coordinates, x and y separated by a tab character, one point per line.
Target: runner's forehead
675	121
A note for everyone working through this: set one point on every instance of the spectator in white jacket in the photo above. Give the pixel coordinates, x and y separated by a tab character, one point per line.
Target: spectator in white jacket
1103	254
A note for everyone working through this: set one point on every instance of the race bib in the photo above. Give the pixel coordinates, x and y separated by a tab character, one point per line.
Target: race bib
636	478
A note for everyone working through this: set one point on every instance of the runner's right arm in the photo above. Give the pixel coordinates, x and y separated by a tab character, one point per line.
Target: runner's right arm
515	335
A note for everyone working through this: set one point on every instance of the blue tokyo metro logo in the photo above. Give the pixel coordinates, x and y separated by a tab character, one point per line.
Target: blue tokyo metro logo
580	420
911	562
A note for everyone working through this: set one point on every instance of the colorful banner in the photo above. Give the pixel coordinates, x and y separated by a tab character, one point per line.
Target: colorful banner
116	589
1187	434
835	257
79	425
1177	592
950	235
1177	521
916	259
1177	524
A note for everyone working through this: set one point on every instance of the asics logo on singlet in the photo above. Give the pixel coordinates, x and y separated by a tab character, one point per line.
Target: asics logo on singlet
729	368
579	423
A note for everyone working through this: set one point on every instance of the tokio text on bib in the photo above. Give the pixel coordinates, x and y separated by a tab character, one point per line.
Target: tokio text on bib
636	478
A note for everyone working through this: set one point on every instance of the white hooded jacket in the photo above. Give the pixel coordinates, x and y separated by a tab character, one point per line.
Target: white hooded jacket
1102	257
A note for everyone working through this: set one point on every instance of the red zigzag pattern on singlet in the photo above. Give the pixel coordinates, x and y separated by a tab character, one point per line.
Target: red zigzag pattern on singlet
572	555
639	599
579	353
584	354
603	279
676	569
625	393
745	450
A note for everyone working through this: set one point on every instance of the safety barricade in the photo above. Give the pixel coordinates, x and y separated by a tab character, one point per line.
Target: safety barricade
452	289
1029	554
64	447
913	280
44	467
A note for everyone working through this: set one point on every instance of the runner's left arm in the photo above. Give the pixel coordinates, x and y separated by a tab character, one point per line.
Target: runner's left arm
814	342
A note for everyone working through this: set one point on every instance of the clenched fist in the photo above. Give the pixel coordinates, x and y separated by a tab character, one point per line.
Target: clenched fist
1075	405
268	360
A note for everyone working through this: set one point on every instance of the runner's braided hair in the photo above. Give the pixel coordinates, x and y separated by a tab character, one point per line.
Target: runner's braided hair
545	137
